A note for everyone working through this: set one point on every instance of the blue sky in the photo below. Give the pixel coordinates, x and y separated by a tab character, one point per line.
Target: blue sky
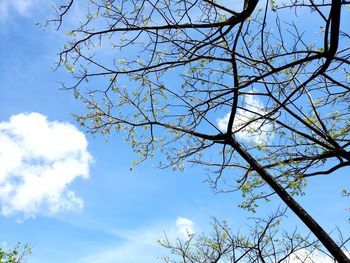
91	207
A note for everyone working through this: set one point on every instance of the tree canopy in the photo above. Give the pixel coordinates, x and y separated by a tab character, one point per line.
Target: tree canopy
264	242
257	92
15	255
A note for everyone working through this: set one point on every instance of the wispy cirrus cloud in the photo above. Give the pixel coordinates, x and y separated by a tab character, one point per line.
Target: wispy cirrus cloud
20	6
140	245
39	159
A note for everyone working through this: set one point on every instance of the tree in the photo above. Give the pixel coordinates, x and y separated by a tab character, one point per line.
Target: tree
265	242
251	92
16	255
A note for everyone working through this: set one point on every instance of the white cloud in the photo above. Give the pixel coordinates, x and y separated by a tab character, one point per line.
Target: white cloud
304	256
184	227
255	132
38	161
20	6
